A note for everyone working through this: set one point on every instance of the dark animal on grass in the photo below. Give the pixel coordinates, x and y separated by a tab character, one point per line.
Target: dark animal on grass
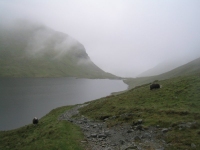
35	120
155	86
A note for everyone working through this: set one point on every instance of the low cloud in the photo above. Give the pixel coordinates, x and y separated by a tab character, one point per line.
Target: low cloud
132	35
40	39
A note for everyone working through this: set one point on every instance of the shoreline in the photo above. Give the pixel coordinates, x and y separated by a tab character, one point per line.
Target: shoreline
62	105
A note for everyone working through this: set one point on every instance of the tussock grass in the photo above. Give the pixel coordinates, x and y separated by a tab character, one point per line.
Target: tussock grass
49	134
178	101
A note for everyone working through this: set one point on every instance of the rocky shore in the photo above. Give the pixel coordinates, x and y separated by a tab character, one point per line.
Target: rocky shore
119	137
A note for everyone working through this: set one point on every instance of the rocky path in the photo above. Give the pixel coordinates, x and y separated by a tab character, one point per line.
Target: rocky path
120	137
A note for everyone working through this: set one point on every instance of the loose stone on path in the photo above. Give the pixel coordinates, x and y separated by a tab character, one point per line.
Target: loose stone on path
120	137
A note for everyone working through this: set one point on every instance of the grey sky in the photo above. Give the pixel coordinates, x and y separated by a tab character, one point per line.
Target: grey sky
123	37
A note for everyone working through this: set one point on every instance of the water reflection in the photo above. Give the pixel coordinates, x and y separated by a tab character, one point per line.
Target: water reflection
23	99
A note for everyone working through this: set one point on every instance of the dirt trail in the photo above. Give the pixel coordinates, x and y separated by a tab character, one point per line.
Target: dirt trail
119	137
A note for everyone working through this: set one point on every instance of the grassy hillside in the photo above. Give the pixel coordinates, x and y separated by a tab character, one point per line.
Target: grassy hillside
28	50
192	67
175	104
49	134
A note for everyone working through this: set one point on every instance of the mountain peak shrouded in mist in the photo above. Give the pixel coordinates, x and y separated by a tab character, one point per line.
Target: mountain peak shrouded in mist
125	38
38	39
33	50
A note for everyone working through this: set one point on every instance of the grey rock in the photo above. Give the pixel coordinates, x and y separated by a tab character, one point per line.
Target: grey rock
113	117
140	121
70	120
107	133
94	135
84	121
139	127
108	148
165	130
121	142
106	119
94	126
146	135
193	146
132	147
102	136
129	131
137	138
160	148
113	144
188	125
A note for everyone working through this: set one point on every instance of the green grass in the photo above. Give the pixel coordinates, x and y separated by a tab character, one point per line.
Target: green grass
178	101
47	66
49	134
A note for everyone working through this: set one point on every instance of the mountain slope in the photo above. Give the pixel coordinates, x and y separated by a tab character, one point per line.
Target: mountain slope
163	68
30	50
192	67
172	107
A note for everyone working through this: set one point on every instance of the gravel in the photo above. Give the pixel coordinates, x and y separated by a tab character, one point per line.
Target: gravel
119	137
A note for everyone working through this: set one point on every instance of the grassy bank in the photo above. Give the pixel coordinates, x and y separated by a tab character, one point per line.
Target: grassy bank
178	102
174	106
49	134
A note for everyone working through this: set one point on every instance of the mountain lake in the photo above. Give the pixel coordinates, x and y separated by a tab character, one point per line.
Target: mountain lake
22	99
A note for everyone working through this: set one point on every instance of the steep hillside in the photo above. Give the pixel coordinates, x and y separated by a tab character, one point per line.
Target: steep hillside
30	50
174	108
192	67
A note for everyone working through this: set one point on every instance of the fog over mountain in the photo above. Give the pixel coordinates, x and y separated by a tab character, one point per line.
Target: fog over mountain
38	38
124	38
33	50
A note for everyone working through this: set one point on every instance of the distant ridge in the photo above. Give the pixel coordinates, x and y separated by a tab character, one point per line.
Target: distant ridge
190	68
187	69
163	67
32	50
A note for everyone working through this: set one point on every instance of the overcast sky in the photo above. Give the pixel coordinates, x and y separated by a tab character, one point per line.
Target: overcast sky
123	37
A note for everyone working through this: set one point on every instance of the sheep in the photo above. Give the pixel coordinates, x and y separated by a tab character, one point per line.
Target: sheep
155	86
35	120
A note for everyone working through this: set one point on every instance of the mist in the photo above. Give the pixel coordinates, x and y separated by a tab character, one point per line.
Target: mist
124	38
36	39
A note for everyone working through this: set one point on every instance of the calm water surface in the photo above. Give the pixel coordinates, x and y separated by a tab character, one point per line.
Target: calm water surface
23	99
